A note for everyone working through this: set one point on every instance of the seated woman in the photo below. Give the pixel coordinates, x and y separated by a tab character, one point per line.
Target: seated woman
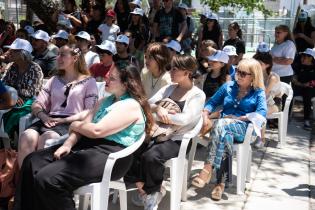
26	77
190	99
240	97
70	92
53	174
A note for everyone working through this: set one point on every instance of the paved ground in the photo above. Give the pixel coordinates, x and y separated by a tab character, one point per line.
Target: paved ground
282	178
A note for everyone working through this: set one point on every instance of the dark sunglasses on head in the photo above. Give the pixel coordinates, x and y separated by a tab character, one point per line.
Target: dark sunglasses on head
242	73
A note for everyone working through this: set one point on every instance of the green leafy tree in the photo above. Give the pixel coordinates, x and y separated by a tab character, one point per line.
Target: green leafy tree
248	5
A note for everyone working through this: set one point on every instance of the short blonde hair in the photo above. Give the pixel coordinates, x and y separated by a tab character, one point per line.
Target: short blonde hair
253	66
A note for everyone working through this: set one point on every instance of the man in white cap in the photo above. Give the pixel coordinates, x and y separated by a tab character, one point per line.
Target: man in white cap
42	55
61	38
169	23
106	51
122	44
187	39
83	43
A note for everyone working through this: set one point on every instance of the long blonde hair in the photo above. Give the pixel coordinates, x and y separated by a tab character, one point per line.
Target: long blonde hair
253	66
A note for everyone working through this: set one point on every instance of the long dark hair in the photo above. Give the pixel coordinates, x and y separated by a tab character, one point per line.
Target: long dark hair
215	30
125	5
237	28
129	75
266	58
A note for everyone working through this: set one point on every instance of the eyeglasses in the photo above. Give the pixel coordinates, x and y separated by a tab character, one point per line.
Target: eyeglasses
66	93
242	74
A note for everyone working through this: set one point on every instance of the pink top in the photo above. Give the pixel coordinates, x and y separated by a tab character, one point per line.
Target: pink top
81	95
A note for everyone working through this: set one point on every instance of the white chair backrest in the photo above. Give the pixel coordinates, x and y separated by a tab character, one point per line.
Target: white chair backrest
289	92
13	93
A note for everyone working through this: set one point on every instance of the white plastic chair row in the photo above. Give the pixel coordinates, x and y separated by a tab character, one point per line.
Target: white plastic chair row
284	115
300	98
243	157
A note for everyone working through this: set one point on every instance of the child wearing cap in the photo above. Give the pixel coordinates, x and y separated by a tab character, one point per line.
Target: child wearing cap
109	31
231	52
122	45
304	82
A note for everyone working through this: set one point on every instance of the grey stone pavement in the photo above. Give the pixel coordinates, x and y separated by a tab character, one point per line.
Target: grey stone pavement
282	178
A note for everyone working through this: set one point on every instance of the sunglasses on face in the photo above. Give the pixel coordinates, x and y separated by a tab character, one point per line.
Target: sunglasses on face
242	74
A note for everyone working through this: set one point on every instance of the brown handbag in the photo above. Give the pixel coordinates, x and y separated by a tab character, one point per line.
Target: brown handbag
9	167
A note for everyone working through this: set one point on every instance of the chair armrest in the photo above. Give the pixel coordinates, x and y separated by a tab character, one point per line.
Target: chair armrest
53	142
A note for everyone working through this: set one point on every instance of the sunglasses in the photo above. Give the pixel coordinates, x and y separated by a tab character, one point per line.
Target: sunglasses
242	74
66	93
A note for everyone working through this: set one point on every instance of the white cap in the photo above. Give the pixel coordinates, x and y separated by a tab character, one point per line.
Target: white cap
63	20
229	50
40	34
123	39
174	45
62	34
303	15
84	35
20	44
310	52
219	56
263	47
108	45
29	29
212	16
136	2
183	6
137	11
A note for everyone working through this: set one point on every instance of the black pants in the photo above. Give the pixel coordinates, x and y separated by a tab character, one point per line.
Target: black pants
149	167
307	94
48	184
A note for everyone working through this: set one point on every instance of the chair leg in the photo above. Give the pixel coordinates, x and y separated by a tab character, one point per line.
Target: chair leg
192	155
123	199
280	131
249	163
115	197
291	111
83	202
241	168
176	184
184	190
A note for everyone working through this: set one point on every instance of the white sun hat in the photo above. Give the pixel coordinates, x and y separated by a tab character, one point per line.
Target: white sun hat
219	56
108	45
20	44
42	35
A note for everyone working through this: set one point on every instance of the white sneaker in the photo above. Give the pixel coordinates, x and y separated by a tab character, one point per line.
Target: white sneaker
152	200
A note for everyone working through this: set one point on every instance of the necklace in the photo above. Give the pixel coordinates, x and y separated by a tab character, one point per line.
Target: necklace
154	83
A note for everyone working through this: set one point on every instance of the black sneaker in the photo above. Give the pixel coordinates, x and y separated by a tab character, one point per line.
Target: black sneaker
307	125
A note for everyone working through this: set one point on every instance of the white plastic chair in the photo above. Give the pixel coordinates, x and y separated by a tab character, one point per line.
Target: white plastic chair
243	157
284	115
178	174
100	191
300	98
3	134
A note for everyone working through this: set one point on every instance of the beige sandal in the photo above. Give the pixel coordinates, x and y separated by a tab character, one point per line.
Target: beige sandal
199	182
217	192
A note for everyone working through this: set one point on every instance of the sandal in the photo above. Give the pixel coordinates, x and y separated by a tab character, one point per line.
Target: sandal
217	192
199	182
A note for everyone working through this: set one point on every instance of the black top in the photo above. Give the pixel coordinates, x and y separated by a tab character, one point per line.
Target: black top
211	85
213	35
139	33
304	73
237	43
300	43
168	23
122	21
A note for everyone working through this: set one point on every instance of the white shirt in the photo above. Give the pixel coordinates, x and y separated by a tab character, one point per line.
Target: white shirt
109	32
286	49
91	58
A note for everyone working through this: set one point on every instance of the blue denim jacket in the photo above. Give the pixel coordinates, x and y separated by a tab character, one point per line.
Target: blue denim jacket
254	101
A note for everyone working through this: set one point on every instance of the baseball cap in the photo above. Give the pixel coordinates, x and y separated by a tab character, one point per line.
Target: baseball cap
62	34
30	30
108	45
183	6
136	2
212	16
42	35
137	11
303	16
310	52
174	45
123	39
20	44
64	21
229	50
263	47
110	13
204	13
84	35
219	56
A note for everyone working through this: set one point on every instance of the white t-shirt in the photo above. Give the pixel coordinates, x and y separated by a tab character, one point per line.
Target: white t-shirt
151	84
286	49
109	32
91	58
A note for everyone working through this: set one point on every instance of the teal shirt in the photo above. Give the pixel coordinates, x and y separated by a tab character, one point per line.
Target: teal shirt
127	136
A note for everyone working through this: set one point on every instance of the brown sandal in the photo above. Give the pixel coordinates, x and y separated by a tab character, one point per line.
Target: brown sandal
200	183
217	192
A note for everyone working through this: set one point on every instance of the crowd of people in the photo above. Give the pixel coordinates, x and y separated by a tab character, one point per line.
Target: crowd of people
150	73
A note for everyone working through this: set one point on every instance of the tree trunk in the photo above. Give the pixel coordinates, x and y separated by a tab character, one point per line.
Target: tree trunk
44	10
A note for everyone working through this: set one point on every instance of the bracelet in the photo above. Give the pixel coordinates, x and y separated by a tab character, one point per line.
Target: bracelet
36	115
